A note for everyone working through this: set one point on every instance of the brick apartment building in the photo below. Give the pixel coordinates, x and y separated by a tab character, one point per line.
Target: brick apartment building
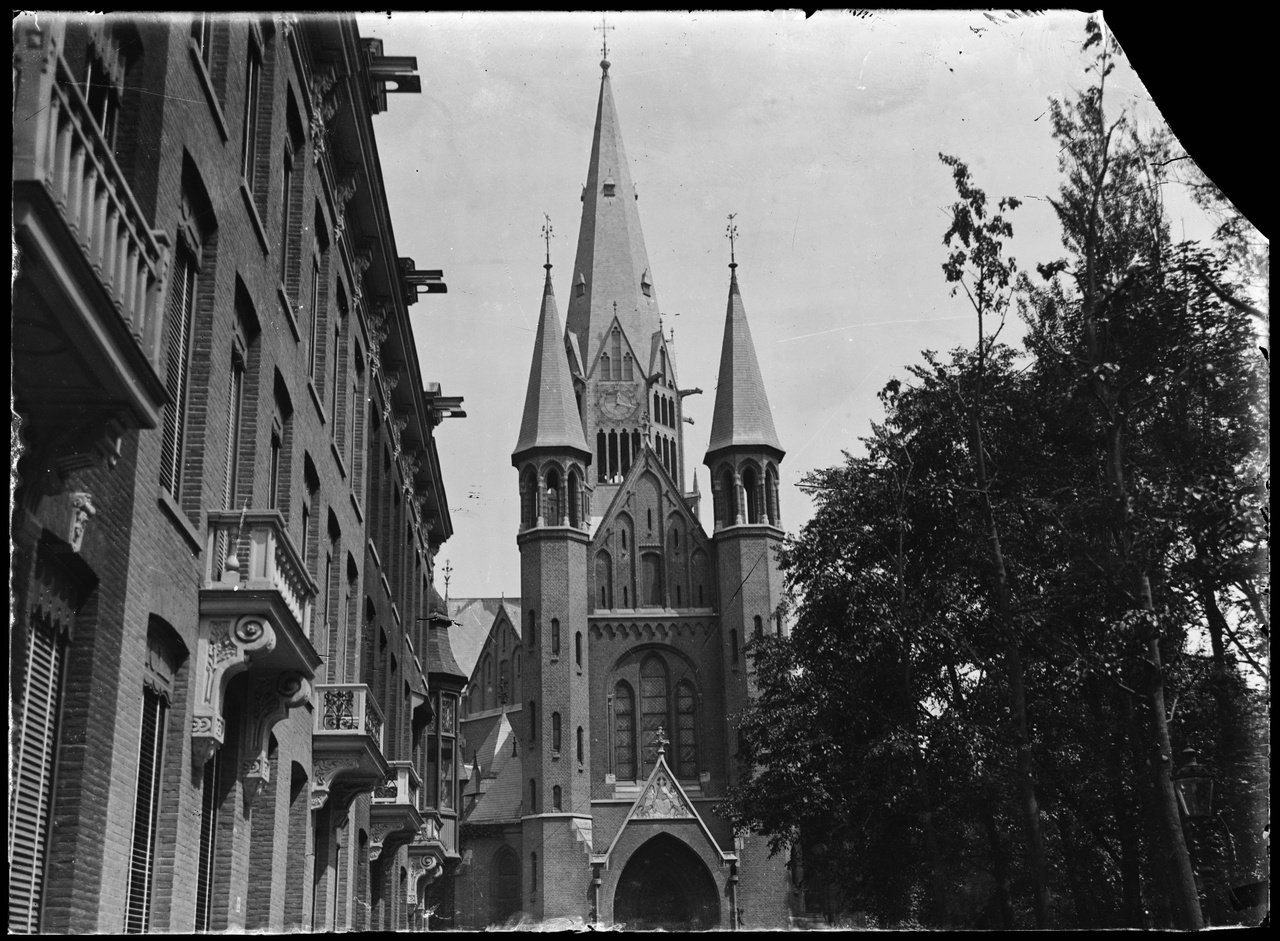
229	497
600	711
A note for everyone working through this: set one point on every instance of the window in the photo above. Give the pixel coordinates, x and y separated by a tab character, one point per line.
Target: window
652	565
728	499
759	627
252	83
528	500
209	805
654	706
580	748
314	352
627	368
753	498
580	286
146	812
617	354
532	628
604	579
555	732
533	801
556	798
179	317
273	493
733	645
686	733
601	457
778	618
533	723
624	732
335	362
533	865
553	498
32	764
235	413
202	26
575	498
577	648
645	286
102	85
286	216
555	637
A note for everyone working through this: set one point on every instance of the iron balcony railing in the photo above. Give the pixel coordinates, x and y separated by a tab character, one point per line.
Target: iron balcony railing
346	708
402	786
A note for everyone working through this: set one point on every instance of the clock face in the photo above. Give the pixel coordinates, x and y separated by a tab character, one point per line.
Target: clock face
618	404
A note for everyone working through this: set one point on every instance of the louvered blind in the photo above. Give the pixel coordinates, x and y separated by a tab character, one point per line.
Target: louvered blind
32	785
146	812
177	356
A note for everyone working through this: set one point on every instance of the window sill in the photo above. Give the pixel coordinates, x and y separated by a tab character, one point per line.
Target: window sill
189	530
206	83
315	400
287	307
247	195
555	756
373	550
337	456
386	586
355	504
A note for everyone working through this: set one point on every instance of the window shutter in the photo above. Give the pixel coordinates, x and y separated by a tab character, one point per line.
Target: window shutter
146	812
33	778
208	832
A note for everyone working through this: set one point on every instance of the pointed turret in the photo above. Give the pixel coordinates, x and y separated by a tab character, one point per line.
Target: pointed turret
551	418
742	416
612	266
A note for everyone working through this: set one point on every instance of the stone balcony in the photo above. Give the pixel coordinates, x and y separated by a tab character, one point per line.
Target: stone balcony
88	301
255	614
395	816
346	744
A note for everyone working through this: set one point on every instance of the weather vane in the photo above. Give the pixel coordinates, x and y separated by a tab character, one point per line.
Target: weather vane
604	37
547	232
731	231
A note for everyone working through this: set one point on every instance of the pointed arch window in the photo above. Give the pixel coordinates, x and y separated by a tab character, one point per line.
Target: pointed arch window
645	286
624	732
556	798
686	731
613	455
602	456
759	627
575	497
580	745
605	368
652	565
604	579
533	809
728	499
771	494
627	367
555	733
654	706
555	637
617	353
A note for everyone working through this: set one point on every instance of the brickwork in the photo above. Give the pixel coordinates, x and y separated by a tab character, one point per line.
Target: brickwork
145	556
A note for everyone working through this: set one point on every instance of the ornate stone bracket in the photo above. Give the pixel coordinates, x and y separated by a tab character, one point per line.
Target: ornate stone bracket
225	648
420	866
387	836
270	699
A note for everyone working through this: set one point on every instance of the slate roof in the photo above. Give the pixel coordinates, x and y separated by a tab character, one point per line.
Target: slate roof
611	256
551	418
473	620
742	416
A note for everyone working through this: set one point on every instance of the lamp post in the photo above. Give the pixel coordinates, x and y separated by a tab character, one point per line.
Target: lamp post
1194	787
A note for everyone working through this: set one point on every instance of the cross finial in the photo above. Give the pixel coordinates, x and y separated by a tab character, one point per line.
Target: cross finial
662	741
731	232
547	233
448	570
604	28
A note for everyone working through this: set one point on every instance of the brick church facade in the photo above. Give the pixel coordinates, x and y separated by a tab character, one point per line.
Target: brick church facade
228	499
600	715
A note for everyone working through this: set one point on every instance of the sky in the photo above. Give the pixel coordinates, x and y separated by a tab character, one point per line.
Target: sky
822	135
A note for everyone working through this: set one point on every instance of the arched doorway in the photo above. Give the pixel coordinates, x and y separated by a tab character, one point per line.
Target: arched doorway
505	891
666	885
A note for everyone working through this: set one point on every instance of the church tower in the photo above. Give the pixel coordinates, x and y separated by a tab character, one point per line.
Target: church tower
743	457
622	363
552	458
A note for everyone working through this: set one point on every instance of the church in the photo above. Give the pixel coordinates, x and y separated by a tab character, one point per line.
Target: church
600	716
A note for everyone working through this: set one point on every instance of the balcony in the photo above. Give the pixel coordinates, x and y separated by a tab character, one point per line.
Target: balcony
88	303
250	561
394	816
346	744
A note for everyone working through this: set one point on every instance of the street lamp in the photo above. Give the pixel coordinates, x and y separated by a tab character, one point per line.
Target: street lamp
1194	786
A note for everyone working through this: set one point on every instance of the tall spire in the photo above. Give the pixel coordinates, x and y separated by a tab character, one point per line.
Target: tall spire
612	264
551	418
742	416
